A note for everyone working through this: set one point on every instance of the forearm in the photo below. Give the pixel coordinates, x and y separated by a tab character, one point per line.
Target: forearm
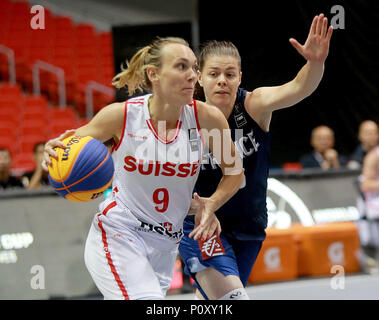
308	78
226	189
35	180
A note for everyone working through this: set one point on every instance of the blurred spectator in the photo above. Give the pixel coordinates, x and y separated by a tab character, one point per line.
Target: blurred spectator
6	179
369	223
39	177
368	136
323	155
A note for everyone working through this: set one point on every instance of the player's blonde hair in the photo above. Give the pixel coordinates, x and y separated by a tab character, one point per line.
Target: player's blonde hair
135	76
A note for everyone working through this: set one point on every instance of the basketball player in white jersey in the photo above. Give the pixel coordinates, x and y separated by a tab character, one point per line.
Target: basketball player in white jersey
132	244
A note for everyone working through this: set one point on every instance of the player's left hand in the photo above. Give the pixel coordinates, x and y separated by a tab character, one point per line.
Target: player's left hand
316	47
206	222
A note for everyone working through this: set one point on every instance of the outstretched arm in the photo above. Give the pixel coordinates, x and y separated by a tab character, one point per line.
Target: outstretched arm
315	50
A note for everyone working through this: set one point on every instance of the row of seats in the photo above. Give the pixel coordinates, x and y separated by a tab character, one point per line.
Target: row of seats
78	49
28	119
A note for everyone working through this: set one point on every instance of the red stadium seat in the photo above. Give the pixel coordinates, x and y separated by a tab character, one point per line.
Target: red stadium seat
8	131
9	143
35	102
34	127
10	90
27	143
23	162
62	114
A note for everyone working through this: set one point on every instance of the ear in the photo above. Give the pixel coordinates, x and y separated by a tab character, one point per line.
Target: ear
240	78
152	73
199	78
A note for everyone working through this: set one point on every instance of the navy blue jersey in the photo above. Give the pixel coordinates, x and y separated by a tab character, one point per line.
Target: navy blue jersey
244	216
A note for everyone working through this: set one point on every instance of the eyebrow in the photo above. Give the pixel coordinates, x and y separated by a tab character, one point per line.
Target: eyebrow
185	60
228	68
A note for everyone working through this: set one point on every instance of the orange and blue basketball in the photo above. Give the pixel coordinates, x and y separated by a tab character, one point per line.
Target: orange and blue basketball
84	169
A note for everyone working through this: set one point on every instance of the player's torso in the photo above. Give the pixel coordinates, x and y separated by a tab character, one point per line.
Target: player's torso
154	178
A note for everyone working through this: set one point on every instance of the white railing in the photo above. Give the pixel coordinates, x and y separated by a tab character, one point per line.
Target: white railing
60	77
92	86
11	62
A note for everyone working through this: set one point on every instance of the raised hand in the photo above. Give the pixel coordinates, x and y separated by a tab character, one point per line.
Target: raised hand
206	222
316	47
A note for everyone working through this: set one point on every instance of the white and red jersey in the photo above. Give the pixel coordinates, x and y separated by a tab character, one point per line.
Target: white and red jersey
154	178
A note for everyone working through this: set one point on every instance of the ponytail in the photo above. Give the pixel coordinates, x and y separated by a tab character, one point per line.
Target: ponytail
135	76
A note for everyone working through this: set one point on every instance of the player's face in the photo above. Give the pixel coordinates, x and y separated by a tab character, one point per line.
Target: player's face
177	75
220	78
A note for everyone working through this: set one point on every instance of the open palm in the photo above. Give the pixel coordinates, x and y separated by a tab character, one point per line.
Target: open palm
316	47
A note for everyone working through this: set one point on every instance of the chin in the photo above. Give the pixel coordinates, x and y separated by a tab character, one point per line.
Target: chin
221	100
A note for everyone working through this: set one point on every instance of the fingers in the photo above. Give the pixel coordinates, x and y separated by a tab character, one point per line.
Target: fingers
319	24
313	25
66	134
206	228
296	45
51	145
329	34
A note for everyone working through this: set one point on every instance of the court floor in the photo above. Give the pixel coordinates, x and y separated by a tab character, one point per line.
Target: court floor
353	287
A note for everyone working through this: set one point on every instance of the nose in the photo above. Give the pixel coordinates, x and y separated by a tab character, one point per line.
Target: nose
221	81
193	75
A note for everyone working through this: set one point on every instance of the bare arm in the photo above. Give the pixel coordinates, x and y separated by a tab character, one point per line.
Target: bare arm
261	102
215	130
369	172
106	124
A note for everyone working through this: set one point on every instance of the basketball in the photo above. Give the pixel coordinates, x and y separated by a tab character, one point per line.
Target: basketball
83	171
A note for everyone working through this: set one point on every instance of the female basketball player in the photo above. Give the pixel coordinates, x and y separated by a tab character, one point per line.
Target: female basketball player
222	274
132	244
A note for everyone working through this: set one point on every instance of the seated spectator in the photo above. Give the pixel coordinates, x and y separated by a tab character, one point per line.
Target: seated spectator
323	156
6	179
368	136
38	177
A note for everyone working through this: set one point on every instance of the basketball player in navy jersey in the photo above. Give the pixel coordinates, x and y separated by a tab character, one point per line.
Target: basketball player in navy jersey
221	265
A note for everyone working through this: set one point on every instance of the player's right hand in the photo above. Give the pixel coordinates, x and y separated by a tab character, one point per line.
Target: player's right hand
51	145
206	222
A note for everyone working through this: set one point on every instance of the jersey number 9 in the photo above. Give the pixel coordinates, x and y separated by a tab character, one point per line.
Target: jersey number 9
161	198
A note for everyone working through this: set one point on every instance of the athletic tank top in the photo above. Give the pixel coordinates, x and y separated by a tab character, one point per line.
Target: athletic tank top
244	216
154	178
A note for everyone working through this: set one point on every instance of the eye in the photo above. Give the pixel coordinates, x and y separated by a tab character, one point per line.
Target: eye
181	66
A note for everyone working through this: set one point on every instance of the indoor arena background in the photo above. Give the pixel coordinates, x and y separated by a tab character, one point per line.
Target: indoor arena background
56	77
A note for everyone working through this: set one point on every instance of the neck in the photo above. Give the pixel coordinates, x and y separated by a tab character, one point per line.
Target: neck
225	109
161	110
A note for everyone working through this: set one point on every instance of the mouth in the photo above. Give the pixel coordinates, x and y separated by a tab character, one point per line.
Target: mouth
222	93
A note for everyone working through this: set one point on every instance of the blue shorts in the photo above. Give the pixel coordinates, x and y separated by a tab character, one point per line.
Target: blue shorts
237	257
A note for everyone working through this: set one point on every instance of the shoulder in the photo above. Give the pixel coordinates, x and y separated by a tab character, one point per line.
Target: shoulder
373	155
113	112
210	116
